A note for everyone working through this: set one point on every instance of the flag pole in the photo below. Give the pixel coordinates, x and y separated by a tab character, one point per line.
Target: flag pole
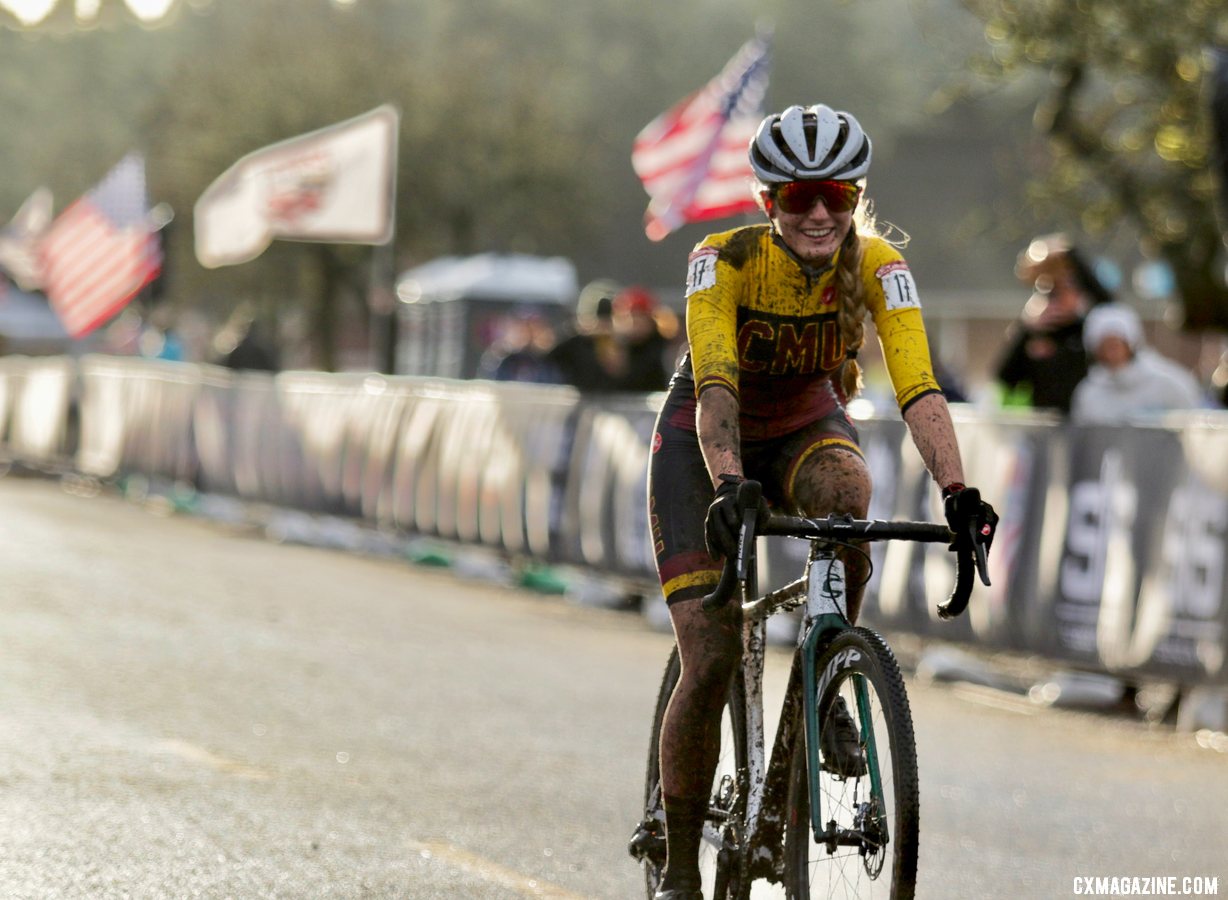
381	295
381	306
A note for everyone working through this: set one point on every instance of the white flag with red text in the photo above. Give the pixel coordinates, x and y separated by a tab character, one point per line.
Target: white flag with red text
334	185
692	158
20	237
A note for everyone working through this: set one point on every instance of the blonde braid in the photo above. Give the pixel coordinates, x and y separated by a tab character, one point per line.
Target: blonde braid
852	312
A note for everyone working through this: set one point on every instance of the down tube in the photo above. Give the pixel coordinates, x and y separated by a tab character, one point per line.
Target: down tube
754	645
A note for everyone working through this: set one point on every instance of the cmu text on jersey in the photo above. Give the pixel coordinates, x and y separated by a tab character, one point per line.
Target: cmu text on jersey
788	345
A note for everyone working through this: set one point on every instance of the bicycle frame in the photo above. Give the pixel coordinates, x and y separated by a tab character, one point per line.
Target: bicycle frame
747	821
824	593
826	607
825	615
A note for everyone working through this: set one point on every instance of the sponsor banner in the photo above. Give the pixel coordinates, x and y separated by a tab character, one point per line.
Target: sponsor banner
1011	465
1117	491
1180	616
1110	555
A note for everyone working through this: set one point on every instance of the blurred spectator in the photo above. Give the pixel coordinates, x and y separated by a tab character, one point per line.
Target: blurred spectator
951	384
1128	378
1219	382
949	381
244	345
521	352
1045	358
649	351
590	358
159	340
158	344
123	336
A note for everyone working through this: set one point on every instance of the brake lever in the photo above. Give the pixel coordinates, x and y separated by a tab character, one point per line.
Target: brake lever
982	561
735	570
970	555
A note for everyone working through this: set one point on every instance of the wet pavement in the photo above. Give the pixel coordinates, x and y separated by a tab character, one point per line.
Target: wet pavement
190	710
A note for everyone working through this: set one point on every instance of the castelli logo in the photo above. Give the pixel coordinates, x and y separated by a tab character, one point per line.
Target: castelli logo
656	441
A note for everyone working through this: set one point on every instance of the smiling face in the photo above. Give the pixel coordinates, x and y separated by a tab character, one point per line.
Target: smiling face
814	235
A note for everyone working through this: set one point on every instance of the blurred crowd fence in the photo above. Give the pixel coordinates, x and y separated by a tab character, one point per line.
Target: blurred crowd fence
1110	554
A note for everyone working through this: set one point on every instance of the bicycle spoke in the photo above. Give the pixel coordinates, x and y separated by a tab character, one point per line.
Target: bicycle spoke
867	844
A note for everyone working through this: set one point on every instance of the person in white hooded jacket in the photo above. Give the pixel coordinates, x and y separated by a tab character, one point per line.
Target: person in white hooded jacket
1128	380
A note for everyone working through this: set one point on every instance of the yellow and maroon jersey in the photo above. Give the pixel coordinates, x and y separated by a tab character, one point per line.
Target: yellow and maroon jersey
764	326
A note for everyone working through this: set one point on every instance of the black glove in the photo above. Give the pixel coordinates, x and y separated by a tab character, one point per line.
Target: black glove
964	509
723	527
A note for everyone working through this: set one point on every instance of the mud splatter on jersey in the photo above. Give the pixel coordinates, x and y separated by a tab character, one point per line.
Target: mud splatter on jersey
765	327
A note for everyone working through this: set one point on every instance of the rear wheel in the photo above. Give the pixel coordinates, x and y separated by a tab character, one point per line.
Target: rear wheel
869	836
728	791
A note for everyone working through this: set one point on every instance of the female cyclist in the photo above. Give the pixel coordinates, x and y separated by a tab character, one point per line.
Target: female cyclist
775	318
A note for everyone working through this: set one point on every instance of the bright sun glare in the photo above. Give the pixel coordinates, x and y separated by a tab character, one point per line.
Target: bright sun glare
31	12
148	10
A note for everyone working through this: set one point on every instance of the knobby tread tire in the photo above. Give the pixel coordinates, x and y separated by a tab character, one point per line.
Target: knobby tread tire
878	665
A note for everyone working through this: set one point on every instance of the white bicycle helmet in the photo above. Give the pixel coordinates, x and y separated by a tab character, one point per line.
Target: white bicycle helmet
809	144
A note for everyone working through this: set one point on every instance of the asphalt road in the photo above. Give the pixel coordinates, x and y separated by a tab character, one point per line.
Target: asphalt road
190	710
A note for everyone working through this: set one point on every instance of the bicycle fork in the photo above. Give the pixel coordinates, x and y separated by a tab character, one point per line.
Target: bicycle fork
826	602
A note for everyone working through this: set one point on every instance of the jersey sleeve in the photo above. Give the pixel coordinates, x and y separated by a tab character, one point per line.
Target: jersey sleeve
712	317
893	304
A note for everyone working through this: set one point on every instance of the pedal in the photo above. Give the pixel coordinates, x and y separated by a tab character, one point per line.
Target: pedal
648	842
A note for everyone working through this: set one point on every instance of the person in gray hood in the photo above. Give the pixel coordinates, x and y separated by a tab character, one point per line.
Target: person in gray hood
1128	379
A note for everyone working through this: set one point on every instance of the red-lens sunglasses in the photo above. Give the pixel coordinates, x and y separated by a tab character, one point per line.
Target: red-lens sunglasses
797	197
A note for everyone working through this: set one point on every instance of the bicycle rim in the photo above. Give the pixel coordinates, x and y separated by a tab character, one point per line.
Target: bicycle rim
879	858
727	785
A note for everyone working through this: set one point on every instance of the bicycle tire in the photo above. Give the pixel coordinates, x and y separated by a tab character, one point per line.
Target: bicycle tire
732	764
871	868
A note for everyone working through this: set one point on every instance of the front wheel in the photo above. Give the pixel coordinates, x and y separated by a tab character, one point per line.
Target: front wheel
718	869
866	845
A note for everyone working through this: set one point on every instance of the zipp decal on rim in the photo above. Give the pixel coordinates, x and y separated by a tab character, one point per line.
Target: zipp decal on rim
842	660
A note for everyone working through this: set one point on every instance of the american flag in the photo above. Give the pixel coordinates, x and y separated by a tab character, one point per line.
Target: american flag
692	158
101	250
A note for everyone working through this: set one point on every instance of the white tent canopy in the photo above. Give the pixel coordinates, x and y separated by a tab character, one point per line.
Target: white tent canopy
516	278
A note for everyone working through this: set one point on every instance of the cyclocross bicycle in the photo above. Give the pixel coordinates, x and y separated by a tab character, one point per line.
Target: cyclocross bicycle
818	825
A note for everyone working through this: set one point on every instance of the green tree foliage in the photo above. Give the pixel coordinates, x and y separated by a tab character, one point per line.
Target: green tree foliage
1123	110
517	118
71	104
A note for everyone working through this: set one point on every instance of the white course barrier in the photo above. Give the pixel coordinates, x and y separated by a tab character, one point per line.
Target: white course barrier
1110	554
